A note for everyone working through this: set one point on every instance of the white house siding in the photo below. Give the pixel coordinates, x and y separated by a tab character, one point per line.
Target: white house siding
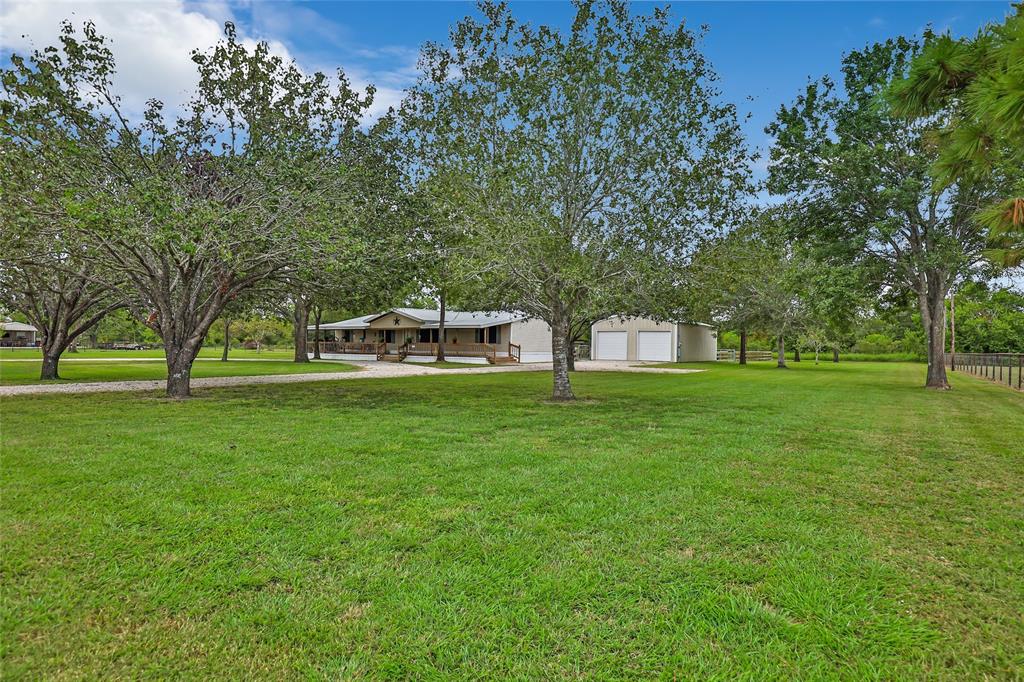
698	343
632	326
690	342
466	360
534	339
344	356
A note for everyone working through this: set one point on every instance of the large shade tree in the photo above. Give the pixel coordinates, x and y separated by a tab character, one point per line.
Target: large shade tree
248	181
588	159
46	272
860	174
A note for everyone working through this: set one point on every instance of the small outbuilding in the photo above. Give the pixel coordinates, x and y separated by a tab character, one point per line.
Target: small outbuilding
641	338
18	335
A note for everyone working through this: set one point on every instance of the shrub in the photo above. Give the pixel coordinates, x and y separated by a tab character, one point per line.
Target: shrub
875	344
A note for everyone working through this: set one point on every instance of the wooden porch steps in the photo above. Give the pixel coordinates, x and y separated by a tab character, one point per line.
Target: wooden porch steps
503	361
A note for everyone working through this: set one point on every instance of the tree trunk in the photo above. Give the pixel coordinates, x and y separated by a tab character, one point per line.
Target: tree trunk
952	332
835	354
933	317
743	347
440	329
782	352
559	359
52	347
49	371
796	353
179	369
227	340
300	320
570	354
316	334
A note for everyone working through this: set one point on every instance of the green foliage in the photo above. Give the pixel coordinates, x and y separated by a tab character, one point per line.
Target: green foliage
585	161
759	279
755	341
121	325
860	176
265	331
976	87
875	344
989	321
262	176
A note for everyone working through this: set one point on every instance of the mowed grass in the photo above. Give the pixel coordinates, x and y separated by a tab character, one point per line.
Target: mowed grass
821	522
14	373
157	353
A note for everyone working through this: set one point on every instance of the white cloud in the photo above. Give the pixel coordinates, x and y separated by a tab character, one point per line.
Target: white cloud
151	41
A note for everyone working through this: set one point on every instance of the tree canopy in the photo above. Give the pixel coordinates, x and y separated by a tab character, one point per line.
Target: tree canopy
860	175
588	160
974	87
253	179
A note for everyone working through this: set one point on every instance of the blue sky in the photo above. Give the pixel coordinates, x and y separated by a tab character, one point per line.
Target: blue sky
763	51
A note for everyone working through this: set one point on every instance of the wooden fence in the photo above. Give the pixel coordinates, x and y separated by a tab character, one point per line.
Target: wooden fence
1002	368
731	355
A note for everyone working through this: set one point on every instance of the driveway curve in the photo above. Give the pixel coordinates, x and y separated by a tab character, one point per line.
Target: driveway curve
367	370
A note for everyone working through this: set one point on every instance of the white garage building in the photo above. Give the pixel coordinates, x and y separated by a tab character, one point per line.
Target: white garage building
640	338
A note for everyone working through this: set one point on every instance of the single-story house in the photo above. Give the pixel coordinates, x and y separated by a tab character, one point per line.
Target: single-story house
412	334
641	338
18	334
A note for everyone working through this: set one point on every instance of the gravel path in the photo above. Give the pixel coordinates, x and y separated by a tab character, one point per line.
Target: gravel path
367	370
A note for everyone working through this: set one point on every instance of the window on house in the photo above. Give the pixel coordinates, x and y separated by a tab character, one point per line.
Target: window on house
493	335
424	336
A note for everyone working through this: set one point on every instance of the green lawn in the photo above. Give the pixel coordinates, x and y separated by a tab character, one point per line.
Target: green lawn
823	522
208	352
17	372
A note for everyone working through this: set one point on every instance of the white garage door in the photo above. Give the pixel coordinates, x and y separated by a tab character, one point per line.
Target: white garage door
654	346
611	346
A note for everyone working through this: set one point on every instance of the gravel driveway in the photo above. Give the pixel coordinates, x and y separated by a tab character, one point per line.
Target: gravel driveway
367	370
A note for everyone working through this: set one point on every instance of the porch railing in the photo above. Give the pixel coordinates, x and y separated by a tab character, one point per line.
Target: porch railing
18	343
351	347
1002	368
403	350
466	350
515	352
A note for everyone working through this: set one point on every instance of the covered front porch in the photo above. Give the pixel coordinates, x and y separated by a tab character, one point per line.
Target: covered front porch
417	350
413	334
